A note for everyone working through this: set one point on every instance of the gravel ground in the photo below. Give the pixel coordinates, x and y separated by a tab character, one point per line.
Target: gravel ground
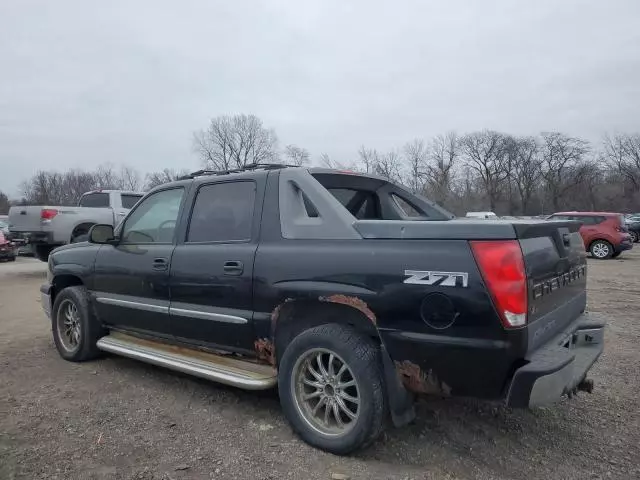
119	419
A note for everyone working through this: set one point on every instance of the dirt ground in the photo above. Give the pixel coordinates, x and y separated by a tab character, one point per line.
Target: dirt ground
118	419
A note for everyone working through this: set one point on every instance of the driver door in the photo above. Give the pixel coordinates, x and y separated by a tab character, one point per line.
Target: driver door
131	279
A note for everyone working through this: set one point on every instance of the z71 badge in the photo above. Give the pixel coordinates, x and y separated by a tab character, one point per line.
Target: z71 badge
443	279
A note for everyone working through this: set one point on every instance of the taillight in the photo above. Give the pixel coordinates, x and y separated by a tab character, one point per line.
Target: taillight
621	229
48	213
502	267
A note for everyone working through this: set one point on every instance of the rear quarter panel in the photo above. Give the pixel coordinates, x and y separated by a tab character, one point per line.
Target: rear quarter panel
472	356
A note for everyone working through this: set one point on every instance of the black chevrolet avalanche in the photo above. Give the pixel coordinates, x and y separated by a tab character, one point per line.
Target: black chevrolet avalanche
346	291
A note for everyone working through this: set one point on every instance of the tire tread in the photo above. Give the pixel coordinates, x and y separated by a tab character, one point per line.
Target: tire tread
368	364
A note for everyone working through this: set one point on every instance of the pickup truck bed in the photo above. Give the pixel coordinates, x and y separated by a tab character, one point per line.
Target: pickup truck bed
49	226
347	291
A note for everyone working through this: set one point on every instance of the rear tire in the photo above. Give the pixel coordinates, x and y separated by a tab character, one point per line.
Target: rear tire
75	328
348	379
634	236
601	249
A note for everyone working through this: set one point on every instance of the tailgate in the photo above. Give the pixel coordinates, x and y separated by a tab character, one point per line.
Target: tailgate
555	261
25	219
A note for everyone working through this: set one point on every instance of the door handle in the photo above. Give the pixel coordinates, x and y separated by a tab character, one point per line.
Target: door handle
160	264
233	268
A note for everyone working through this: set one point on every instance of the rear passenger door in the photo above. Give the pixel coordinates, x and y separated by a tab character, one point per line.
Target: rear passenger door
211	278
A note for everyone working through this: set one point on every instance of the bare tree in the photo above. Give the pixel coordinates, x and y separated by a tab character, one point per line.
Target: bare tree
442	154
58	188
130	179
561	154
369	158
388	166
296	155
525	169
415	154
167	175
623	151
234	142
107	177
485	155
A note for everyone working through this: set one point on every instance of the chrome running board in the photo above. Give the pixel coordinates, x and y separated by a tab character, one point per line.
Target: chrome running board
219	368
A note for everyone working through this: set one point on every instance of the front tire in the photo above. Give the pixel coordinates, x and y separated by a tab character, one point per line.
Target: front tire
331	388
601	249
75	329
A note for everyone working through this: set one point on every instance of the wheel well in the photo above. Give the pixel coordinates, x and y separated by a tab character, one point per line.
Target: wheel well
61	282
295	317
81	229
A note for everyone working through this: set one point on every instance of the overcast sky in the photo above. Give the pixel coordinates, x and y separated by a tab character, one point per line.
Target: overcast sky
84	83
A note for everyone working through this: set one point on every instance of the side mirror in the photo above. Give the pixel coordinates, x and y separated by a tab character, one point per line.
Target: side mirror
101	234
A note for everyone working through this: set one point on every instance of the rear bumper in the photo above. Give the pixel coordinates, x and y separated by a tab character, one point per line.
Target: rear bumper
45	298
33	237
559	367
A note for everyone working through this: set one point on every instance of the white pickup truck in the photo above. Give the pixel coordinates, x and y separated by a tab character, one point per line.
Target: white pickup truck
47	227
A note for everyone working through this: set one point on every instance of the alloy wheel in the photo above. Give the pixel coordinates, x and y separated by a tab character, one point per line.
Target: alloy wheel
325	392
600	250
68	326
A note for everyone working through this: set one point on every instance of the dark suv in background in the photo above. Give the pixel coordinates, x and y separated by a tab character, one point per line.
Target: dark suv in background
605	234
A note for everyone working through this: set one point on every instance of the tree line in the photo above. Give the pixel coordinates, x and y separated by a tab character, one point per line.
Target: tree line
482	170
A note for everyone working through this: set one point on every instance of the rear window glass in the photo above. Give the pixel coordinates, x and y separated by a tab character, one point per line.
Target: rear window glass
128	200
361	204
95	200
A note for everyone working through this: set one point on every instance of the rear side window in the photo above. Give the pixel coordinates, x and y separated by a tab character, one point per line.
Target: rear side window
128	200
95	200
590	220
407	209
223	212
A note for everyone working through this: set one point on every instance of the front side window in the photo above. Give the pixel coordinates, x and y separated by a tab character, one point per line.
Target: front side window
223	212
155	218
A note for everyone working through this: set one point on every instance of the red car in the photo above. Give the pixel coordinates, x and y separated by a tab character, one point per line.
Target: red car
7	249
604	233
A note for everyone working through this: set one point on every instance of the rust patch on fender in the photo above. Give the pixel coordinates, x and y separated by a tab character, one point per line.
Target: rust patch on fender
354	302
415	380
275	314
266	350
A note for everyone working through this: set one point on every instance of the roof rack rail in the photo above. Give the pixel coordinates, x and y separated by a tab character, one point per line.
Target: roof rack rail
248	167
